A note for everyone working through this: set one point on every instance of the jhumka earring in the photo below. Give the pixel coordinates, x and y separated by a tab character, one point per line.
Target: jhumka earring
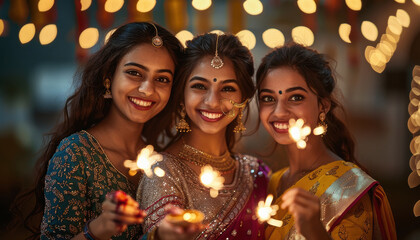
321	129
183	126
240	128
107	84
157	40
216	62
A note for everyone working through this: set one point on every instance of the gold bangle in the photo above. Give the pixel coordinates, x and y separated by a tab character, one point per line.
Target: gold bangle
153	234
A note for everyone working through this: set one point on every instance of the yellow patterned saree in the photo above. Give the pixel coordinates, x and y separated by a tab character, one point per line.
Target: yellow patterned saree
353	205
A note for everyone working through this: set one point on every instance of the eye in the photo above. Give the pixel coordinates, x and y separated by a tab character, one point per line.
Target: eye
163	79
267	98
228	89
297	98
134	73
198	86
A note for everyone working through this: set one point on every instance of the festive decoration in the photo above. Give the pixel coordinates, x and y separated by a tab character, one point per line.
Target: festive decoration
265	211
298	132
145	160
211	179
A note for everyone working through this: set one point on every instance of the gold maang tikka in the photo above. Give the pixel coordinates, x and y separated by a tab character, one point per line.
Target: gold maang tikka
157	40
216	62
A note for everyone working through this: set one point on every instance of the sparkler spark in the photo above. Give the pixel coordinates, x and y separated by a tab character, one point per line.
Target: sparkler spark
211	179
145	160
265	211
298	132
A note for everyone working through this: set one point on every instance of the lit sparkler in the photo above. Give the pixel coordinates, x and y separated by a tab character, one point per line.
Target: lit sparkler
298	132
212	179
145	160
265	211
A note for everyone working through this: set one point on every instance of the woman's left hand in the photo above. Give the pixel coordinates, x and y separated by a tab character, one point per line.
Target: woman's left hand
306	211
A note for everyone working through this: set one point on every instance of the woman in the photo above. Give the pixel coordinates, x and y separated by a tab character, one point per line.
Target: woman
323	194
215	84
116	111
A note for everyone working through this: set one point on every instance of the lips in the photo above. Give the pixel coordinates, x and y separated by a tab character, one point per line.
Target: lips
281	127
210	116
141	104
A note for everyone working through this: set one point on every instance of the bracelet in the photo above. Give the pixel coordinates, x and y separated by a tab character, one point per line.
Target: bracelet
152	235
86	232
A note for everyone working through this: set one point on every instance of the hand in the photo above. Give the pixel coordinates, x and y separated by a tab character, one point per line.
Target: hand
306	211
118	211
173	231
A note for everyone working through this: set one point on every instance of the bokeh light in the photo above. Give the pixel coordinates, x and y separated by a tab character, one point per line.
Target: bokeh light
201	5
403	18
45	5
394	25
417	2
355	5
183	36
369	30
253	7
344	32
303	35
145	5
112	6
400	1
48	34
307	6
85	4
247	38
27	33
273	38
216	31
89	37
2	26
108	35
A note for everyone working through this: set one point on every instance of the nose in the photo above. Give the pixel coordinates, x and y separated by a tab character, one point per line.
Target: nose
212	99
280	109
147	87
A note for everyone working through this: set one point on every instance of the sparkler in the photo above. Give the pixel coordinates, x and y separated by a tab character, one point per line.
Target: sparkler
212	179
298	132
265	211
145	160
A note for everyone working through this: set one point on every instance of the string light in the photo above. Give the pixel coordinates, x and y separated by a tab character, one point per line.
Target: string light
112	6
88	38
45	5
253	7
145	5
403	18
344	32
48	34
355	5
273	38
85	4
27	33
369	30
307	6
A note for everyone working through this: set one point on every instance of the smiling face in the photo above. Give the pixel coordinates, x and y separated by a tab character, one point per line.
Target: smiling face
207	94
284	94
141	85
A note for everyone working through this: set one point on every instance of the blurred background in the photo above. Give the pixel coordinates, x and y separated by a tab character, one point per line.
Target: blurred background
374	45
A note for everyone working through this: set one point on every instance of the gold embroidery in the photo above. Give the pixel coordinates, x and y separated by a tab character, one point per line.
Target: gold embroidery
342	232
315	174
314	188
332	171
358	210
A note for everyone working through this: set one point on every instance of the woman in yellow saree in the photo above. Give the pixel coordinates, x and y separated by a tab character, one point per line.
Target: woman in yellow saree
323	194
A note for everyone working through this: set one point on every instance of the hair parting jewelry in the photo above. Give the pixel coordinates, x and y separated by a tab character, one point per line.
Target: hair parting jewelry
156	40
216	62
107	84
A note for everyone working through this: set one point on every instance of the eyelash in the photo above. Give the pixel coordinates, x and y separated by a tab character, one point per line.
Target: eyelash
134	73
198	86
163	79
229	89
297	98
266	99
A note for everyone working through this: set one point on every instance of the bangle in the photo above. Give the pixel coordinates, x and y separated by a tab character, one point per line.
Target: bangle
152	235
87	233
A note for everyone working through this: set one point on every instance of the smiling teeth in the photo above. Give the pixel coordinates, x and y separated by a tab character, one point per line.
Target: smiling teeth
281	126
141	102
211	115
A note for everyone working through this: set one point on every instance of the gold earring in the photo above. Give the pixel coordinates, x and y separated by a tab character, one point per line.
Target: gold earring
107	84
182	125
321	129
240	128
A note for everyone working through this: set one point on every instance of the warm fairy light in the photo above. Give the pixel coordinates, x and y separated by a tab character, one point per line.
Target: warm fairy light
112	6
108	35
146	158
218	32
201	4
303	35
184	36
45	5
344	32
394	25
2	26
85	4
417	2
273	38
253	7
369	30
403	18
247	38
27	33
145	5
354	5
265	211
48	34
298	132
319	130
211	179
307	6
159	172
88	38
400	1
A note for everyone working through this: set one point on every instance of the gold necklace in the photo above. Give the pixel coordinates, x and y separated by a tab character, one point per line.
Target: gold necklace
224	164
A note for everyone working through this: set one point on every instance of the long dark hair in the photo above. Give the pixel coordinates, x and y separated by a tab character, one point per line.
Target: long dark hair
317	73
228	47
87	106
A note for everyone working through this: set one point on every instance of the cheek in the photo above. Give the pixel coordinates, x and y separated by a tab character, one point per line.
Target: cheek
164	94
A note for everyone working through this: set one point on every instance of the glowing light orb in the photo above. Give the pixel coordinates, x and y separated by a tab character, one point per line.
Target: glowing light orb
344	32
307	6
27	33
417	2
48	34
45	5
265	211
253	7
146	158
369	30
303	35
273	38
298	132
403	18
88	38
2	26
394	25
159	172
85	4
112	6
355	5
145	5
211	179
184	36
201	4
400	1
247	38
218	32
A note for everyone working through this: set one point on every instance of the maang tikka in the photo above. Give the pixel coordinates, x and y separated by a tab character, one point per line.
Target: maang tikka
156	40
216	62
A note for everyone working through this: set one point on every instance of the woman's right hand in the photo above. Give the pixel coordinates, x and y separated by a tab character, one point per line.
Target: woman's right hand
177	231
118	211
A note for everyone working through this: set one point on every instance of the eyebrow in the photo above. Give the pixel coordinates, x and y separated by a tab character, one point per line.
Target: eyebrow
287	90
147	69
206	80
